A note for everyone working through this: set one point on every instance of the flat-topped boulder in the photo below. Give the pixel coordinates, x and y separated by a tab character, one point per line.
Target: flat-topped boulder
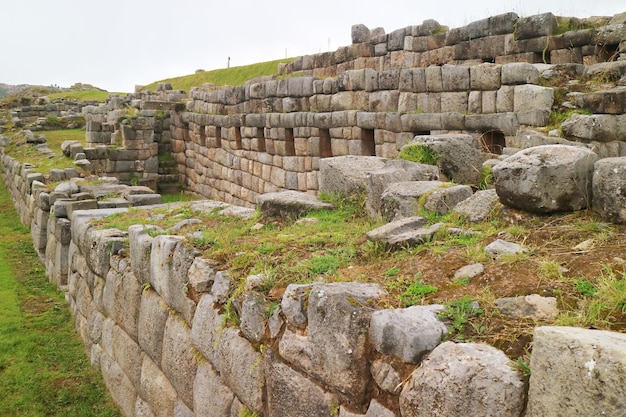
546	179
290	204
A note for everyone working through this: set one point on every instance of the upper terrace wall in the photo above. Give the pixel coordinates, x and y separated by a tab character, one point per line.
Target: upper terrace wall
498	39
371	98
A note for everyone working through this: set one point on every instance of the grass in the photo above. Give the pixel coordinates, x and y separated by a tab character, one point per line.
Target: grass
28	153
226	76
43	367
422	154
91	95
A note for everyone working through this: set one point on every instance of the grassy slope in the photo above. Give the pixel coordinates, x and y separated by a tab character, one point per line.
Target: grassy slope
225	76
43	366
96	95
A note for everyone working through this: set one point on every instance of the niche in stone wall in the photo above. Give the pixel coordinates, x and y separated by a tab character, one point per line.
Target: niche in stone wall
237	138
326	150
493	141
218	137
368	145
260	137
290	146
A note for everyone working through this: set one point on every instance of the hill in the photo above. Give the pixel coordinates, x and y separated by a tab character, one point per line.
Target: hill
225	76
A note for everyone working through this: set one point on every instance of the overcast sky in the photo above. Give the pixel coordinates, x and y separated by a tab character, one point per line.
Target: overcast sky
115	44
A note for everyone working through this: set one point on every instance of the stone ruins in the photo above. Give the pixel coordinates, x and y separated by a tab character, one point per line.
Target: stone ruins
336	122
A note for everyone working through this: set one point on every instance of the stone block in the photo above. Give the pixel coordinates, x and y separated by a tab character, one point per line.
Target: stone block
594	127
178	362
121	388
152	318
455	78
206	328
609	179
336	346
394	171
434	80
519	73
546	179
459	157
407	333
241	369
485	77
127	354
443	200
346	175
211	397
594	358
292	394
535	26
156	389
454	102
481	377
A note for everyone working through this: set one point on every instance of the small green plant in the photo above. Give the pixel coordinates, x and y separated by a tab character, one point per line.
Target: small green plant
550	269
52	120
419	153
415	292
486	177
334	408
585	287
246	412
523	365
392	272
459	313
461	281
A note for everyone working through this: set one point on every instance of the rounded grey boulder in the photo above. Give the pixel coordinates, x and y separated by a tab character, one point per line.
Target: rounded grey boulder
546	179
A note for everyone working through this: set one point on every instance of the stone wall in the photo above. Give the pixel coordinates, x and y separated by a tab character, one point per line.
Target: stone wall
488	79
131	139
150	311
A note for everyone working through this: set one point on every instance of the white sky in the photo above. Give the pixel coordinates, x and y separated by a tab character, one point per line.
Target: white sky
115	44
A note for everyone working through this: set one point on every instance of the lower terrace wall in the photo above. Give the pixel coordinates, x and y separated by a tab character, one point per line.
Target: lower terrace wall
150	313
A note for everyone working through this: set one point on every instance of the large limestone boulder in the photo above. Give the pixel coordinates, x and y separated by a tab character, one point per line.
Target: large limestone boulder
335	348
291	394
479	207
465	379
405	199
577	372
407	333
346	175
545	179
609	183
458	156
397	170
290	204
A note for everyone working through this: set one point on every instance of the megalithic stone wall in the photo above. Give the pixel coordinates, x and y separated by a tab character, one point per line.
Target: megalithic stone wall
150	312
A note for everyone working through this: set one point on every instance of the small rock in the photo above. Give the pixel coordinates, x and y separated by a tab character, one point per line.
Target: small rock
254	281
275	324
499	247
531	306
181	224
385	376
307	221
469	271
585	246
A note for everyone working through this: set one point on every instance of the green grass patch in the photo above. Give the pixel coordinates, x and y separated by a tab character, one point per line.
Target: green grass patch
43	367
419	153
28	153
459	313
226	76
89	95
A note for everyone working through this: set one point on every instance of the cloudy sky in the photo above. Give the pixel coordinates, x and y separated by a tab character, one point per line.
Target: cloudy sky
115	44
